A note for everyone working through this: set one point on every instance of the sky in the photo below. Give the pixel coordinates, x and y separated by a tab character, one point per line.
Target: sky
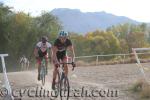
135	9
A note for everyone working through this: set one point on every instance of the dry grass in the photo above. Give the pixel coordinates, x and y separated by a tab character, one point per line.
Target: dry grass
137	87
145	93
142	88
109	62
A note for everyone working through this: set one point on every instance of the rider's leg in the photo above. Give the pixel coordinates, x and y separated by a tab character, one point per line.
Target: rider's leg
54	76
21	66
39	67
46	64
28	64
66	69
55	73
65	60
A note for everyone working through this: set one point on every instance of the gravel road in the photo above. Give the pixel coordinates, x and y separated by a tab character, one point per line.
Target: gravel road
105	82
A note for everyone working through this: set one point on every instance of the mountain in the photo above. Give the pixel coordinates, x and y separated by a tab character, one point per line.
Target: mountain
76	21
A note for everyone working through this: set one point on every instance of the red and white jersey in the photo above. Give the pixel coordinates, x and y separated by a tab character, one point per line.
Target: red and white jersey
43	46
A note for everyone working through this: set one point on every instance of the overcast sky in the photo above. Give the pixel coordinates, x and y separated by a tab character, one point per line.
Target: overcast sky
134	9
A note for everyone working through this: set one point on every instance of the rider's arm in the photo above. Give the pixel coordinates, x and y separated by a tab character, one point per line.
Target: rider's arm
54	54
38	45
35	52
71	48
51	54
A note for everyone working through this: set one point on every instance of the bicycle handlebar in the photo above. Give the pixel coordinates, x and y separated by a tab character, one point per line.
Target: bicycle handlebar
69	63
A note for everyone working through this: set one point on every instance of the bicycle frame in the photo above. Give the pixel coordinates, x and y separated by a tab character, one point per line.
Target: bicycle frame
43	71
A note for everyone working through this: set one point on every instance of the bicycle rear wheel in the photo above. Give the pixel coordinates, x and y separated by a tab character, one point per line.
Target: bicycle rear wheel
43	73
43	80
64	88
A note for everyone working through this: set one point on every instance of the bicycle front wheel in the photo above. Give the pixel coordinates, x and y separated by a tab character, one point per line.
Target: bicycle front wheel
57	85
64	88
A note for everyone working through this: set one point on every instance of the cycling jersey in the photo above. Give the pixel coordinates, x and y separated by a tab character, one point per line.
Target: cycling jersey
42	48
62	47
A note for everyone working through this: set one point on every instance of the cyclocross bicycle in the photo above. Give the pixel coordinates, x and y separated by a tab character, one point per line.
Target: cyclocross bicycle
62	85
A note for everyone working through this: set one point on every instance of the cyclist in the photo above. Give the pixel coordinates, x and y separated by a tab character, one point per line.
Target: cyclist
24	62
61	45
40	51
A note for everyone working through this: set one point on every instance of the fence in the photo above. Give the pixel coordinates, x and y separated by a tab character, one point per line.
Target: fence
5	78
108	59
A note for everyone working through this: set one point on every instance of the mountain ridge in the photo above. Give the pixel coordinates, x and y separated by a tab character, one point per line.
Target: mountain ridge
73	20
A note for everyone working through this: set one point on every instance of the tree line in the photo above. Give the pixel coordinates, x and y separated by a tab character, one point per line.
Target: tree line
19	32
114	40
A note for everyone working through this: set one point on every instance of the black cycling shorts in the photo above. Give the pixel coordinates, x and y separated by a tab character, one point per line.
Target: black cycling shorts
61	55
42	54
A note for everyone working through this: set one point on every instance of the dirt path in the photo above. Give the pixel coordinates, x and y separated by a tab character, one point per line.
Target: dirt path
109	82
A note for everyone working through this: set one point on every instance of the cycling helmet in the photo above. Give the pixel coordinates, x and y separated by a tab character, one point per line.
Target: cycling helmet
44	39
63	34
66	34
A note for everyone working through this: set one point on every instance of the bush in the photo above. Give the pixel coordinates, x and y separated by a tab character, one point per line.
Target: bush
142	87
